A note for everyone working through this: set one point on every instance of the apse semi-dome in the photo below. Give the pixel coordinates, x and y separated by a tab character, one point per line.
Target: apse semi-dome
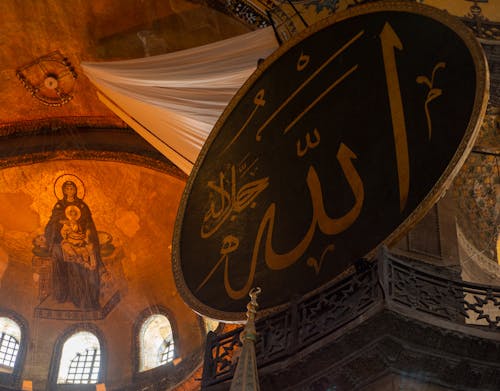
87	292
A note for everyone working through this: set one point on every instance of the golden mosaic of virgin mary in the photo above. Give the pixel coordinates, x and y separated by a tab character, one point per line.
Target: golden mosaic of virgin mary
73	245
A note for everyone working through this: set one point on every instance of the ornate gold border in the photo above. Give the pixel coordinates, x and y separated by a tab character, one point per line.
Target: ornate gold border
479	109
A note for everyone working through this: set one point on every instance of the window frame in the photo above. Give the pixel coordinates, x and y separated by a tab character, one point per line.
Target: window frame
13	379
136	342
9	349
57	354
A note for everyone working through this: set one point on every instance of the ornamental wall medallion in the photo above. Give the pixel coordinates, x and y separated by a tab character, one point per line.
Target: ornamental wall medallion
341	141
50	79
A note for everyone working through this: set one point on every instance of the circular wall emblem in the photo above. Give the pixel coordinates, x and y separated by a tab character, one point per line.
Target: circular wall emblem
340	142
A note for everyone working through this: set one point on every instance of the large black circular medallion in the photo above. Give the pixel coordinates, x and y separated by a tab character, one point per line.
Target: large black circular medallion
339	142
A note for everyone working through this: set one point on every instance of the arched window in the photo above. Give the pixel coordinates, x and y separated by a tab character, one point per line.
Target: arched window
156	342
80	360
13	341
10	339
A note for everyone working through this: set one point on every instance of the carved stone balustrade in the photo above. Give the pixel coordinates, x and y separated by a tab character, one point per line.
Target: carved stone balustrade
395	315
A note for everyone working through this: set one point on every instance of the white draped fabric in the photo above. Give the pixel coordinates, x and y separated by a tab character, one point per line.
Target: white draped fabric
173	100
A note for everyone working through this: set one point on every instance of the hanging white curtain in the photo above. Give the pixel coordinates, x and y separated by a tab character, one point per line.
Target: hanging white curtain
173	100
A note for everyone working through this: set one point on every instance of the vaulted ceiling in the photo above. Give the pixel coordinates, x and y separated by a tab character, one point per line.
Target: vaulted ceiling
44	39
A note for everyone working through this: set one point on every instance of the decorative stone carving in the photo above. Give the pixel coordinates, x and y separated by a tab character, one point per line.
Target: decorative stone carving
343	336
50	79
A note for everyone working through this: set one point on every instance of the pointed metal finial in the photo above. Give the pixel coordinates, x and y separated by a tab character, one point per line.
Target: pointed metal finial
245	376
249	332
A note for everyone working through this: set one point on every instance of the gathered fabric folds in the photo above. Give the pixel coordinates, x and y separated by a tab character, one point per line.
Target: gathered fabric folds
173	100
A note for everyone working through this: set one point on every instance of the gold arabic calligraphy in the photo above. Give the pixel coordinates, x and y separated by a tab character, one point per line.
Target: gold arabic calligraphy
432	94
310	143
319	220
225	203
228	202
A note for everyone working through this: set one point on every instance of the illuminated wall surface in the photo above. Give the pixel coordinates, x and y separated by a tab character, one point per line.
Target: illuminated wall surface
133	211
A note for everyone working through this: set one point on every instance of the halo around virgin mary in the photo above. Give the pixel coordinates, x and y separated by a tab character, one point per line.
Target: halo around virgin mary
58	184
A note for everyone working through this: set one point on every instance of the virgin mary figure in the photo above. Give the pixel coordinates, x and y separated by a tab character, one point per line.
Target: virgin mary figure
73	245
